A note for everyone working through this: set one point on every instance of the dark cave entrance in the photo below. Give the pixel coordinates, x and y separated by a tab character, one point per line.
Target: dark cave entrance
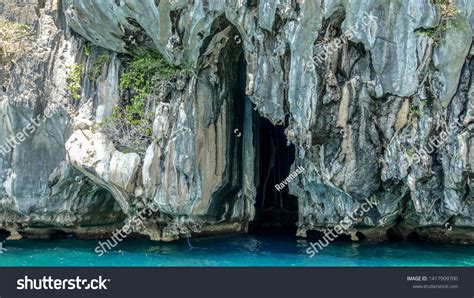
276	211
4	234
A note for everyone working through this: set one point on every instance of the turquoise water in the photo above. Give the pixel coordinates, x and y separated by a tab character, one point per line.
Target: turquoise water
232	251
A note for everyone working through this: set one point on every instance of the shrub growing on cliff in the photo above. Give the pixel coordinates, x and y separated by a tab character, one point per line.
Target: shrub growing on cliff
143	73
448	12
87	48
12	35
131	123
73	81
96	68
417	112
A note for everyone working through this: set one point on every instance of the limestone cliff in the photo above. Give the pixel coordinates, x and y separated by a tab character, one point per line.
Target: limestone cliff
373	99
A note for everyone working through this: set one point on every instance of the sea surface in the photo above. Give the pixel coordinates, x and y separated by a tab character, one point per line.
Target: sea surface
232	251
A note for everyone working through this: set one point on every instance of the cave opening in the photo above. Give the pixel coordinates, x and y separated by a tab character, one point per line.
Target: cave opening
59	234
276	210
4	234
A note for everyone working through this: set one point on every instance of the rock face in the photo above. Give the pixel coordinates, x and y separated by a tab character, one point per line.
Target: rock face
373	99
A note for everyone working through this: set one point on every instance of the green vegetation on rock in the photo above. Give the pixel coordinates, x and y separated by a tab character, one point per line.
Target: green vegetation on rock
448	12
140	77
143	73
96	68
141	82
87	48
11	34
426	102
417	112
74	81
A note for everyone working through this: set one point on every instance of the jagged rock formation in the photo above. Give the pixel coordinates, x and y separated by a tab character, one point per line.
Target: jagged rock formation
397	74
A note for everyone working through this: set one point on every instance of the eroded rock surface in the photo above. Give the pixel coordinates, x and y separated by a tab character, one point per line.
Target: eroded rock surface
396	81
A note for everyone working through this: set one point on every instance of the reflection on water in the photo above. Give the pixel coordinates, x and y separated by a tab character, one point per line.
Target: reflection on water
354	249
160	249
241	250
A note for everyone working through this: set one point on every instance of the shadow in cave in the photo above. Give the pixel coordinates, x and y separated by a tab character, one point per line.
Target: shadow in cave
4	234
233	74
276	211
59	234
